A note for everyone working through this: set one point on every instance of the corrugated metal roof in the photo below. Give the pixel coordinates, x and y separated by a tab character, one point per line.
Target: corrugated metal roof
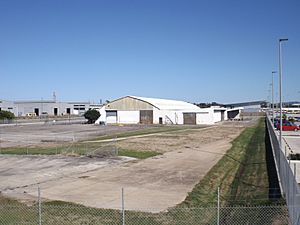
166	104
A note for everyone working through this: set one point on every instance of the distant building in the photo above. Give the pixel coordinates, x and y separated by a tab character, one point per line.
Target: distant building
47	107
251	107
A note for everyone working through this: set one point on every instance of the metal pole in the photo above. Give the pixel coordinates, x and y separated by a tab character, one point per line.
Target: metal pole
269	100
280	90
0	142
293	194
273	114
123	208
280	96
285	150
40	205
218	221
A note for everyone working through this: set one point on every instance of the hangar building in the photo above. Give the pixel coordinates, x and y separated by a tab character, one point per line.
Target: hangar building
141	110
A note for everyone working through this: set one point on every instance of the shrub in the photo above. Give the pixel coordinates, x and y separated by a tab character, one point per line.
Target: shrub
91	115
6	115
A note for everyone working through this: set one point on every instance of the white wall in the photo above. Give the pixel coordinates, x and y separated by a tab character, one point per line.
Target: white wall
128	117
225	115
205	116
111	119
168	117
217	116
102	117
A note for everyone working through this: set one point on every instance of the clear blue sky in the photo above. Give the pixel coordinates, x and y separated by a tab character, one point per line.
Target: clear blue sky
198	51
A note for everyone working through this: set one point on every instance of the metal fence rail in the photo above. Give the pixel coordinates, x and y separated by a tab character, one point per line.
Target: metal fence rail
44	120
289	185
51	214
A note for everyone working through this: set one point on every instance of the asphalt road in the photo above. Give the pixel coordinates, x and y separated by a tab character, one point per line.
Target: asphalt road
292	140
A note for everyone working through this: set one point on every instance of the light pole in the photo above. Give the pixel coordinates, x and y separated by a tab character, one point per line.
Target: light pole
280	90
269	99
273	115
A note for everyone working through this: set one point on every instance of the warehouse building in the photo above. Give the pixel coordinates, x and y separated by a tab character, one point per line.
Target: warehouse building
46	107
141	110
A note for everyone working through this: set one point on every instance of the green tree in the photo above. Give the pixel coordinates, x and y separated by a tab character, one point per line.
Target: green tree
6	115
91	115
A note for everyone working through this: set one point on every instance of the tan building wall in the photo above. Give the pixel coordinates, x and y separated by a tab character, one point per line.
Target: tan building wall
128	104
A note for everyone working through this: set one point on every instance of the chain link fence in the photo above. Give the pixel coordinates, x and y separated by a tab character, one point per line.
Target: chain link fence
44	120
63	214
61	145
59	139
289	185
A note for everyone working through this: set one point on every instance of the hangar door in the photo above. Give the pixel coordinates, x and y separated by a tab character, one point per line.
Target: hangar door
111	116
189	118
232	114
146	116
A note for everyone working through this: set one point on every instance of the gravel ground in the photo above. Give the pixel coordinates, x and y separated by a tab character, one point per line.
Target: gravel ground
38	135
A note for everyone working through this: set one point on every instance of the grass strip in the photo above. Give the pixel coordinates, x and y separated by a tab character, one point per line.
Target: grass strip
241	174
81	149
138	154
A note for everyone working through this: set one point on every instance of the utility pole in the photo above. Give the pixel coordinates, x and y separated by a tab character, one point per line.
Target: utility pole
280	90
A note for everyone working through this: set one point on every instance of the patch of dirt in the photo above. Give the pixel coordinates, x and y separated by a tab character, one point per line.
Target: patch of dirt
175	141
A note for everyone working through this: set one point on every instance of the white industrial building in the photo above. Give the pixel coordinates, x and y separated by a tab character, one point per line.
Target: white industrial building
47	107
141	110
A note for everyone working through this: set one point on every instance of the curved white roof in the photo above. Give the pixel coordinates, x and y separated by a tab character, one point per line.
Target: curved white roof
165	104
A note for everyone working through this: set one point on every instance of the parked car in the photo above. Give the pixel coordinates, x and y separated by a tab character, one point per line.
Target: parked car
288	126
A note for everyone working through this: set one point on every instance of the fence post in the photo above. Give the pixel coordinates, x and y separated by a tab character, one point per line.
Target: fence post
56	143
285	151
123	208
40	205
115	145
0	142
218	219
294	191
